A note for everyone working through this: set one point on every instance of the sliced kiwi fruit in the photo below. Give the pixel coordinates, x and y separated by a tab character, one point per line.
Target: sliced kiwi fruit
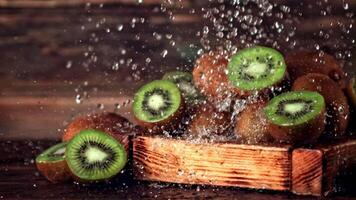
184	81
51	163
94	156
351	92
256	69
296	117
158	105
336	102
208	121
110	123
303	62
251	124
210	77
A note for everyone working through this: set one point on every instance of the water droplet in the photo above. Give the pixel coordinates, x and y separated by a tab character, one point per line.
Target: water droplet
69	64
346	6
164	53
120	27
78	99
115	66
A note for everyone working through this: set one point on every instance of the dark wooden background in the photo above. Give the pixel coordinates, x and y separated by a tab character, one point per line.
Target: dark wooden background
102	50
55	50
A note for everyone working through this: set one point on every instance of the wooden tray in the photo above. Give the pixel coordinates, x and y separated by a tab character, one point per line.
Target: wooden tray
301	171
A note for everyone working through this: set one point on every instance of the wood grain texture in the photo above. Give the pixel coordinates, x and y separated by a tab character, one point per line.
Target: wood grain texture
52	114
19	181
337	158
307	171
220	164
314	171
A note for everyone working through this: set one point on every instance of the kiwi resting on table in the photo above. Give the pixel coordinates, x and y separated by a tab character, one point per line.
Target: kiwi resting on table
251	124
303	62
351	92
94	156
256	69
52	164
210	77
296	117
335	99
158	106
184	81
208	121
110	123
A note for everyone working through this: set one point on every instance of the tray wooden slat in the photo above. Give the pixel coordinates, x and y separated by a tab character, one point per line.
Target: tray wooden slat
301	171
219	164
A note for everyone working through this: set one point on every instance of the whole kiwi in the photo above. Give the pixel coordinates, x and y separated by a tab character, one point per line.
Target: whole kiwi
303	62
111	123
210	76
251	124
335	100
209	121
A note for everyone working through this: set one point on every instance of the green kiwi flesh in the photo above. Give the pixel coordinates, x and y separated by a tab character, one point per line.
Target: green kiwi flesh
294	108
351	92
184	81
157	101
256	68
56	153
94	155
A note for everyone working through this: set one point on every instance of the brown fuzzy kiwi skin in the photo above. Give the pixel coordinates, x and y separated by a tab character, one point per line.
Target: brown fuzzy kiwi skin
110	123
351	93
303	62
55	172
336	102
302	134
210	77
251	124
167	125
207	120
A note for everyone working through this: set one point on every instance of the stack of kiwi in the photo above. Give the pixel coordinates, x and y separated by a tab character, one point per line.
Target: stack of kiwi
94	148
296	99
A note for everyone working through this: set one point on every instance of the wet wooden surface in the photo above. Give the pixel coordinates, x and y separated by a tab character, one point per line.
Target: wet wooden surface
19	179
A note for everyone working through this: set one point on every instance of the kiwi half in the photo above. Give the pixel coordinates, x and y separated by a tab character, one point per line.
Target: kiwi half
251	124
296	117
113	124
208	121
184	81
210	77
93	156
351	92
303	62
51	163
158	105
256	69
335	99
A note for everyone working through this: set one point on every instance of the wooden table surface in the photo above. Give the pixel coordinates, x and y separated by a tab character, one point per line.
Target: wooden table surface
22	181
19	179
